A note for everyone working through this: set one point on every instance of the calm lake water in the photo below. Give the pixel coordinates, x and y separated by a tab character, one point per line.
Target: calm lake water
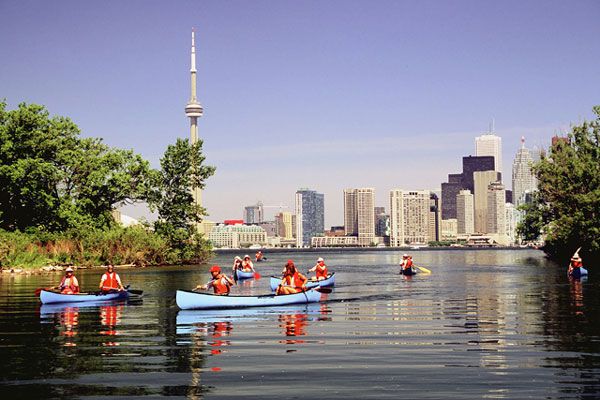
484	324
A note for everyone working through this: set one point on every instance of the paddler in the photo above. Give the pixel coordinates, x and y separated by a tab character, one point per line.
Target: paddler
247	265
220	283
237	264
320	270
68	284
406	265
259	256
110	281
575	265
293	281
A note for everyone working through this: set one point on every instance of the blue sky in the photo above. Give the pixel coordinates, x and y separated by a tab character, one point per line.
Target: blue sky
318	94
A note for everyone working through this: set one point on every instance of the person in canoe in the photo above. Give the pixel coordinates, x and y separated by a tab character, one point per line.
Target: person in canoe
237	264
406	265
293	281
320	270
247	265
69	283
220	283
575	266
110	281
259	256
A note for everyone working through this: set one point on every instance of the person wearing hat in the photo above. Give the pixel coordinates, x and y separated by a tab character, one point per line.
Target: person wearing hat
247	265
575	265
220	283
293	281
110	280
237	264
259	256
320	270
406	265
68	284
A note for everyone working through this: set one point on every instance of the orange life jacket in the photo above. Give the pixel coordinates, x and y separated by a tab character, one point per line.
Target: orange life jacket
321	271
294	281
407	264
110	282
71	288
221	285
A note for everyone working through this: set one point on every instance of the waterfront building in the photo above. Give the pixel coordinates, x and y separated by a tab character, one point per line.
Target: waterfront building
382	222
465	213
310	216
496	209
449	191
193	110
334	241
350	212
449	229
523	179
336	231
270	228
482	180
254	214
472	164
284	225
237	236
409	217
512	220
435	217
489	144
359	214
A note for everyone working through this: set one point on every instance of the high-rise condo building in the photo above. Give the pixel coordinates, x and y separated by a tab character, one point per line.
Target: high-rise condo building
523	179
465	222
359	214
482	180
496	209
254	214
449	191
489	144
310	216
284	225
409	217
382	222
512	219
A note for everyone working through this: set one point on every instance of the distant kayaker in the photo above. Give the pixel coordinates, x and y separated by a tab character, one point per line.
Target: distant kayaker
259	256
110	280
406	265
575	265
68	284
320	270
293	281
220	283
247	265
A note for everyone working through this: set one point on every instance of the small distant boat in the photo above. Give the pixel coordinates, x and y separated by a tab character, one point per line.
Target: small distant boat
188	300
330	281
48	297
239	274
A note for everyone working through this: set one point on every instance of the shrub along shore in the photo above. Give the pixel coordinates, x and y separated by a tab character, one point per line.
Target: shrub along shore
135	246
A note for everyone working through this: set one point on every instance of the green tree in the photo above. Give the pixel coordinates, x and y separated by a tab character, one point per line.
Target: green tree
566	209
182	167
53	180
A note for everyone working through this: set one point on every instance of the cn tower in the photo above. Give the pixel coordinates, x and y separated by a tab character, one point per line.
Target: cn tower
193	110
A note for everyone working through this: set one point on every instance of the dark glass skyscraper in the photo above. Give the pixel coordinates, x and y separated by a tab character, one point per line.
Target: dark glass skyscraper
310	216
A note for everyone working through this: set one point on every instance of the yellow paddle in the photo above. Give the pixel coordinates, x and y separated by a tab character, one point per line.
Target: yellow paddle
423	269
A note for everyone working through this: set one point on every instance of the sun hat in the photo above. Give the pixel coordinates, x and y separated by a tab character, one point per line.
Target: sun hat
404	255
69	269
320	259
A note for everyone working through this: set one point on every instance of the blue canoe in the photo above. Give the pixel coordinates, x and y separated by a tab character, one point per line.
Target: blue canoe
188	300
578	272
243	275
47	297
330	281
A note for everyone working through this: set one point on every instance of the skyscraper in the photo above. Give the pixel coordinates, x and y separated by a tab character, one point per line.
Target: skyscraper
193	110
482	180
489	144
464	213
359	214
254	214
409	217
496	209
284	225
523	179
310	216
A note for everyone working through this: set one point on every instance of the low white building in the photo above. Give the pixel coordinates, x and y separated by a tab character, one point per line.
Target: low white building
237	236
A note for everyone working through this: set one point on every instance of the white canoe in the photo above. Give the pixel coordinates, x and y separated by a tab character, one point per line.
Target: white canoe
330	281
188	300
47	297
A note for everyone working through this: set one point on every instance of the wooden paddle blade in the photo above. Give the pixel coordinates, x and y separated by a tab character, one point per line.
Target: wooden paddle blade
323	290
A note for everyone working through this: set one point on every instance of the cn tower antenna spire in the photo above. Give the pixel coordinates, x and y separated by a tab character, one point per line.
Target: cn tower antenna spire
193	110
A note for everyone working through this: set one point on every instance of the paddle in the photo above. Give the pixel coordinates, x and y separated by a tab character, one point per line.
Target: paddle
423	269
257	275
39	290
323	289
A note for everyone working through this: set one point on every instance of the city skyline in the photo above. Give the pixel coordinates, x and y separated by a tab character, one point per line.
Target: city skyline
326	96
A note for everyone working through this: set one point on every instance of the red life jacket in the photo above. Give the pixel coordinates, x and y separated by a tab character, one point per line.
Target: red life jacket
71	288
221	285
321	271
294	281
110	282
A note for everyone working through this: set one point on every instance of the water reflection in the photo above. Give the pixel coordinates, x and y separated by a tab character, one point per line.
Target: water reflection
110	317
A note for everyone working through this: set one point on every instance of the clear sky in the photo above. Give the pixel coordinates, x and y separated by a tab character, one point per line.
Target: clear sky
319	94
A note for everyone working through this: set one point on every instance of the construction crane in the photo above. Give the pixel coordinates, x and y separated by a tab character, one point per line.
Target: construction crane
280	206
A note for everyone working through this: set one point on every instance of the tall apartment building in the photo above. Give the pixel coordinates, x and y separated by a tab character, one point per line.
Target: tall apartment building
482	180
382	222
254	214
489	144
310	216
435	218
465	220
523	179
496	209
359	214
409	217
283	222
512	219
